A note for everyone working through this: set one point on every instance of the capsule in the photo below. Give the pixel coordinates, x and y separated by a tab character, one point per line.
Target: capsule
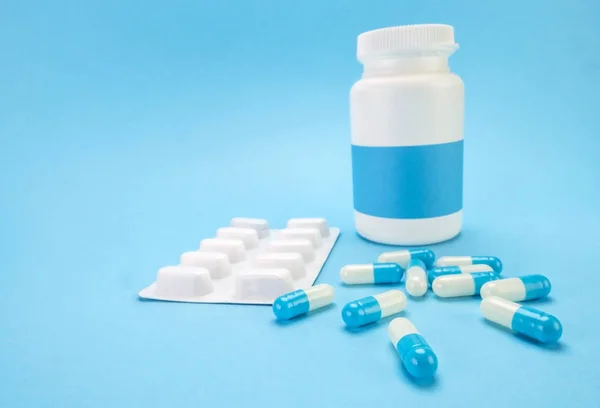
416	278
465	284
492	261
302	301
438	271
403	257
372	308
378	273
416	355
518	289
525	320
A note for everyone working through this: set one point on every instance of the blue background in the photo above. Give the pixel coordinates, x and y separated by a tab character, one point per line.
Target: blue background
131	130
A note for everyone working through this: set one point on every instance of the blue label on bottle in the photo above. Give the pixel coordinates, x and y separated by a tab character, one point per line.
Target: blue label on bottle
408	182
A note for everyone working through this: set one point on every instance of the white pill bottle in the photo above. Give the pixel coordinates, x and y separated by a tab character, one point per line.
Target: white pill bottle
407	136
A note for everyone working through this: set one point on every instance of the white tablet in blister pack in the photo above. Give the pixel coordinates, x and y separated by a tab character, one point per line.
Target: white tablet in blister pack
248	263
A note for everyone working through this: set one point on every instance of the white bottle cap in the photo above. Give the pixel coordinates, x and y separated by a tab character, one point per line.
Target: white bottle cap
411	39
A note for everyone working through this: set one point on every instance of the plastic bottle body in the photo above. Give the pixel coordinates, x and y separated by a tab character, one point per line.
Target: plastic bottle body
407	149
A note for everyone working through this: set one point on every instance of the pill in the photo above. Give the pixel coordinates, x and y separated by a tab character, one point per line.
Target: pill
301	246
525	320
260	225
293	262
318	223
302	301
518	289
248	236
217	264
492	261
312	234
373	308
465	284
233	248
416	355
262	284
403	257
378	273
438	271
416	278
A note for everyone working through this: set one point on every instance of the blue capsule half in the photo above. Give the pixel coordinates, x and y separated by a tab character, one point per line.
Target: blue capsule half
530	322
536	324
416	355
373	308
300	302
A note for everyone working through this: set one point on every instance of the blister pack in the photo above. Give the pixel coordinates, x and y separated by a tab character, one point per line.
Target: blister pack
248	263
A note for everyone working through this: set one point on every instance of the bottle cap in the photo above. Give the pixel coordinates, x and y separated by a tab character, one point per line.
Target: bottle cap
408	39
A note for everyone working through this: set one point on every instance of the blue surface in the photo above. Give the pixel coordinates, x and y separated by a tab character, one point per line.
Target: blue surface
417	356
387	273
408	182
291	305
131	130
537	324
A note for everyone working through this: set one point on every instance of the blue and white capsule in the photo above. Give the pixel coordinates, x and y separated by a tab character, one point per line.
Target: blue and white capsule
302	301
518	289
416	355
416	278
377	273
438	271
403	257
492	261
465	284
530	322
373	308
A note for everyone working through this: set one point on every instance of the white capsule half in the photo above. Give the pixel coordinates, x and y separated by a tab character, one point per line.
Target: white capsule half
453	286
498	310
416	278
400	257
400	327
464	284
391	302
492	261
510	289
453	261
357	274
319	296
